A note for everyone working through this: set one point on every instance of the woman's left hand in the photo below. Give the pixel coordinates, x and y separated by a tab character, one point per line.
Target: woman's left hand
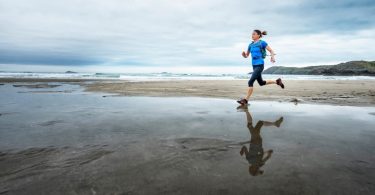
244	54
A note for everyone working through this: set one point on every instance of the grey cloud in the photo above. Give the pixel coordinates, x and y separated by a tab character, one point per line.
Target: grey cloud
155	33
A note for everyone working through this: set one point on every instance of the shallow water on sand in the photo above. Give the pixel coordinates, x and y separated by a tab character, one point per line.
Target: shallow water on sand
61	140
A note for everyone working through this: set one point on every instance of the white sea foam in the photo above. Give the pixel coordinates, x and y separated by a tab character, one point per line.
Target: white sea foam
170	76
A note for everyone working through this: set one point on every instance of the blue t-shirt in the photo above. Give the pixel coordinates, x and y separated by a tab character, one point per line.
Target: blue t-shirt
256	53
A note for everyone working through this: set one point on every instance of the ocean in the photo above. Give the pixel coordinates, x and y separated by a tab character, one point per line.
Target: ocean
168	76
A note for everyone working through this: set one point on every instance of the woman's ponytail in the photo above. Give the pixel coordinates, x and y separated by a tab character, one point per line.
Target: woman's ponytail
260	33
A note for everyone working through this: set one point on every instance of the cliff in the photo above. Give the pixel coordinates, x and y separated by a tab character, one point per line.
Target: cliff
355	68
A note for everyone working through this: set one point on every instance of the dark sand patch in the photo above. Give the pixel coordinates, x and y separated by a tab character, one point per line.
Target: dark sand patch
7	113
202	112
50	123
47	167
60	91
36	86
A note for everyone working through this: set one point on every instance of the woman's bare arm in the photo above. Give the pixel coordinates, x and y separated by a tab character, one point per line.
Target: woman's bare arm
245	54
272	53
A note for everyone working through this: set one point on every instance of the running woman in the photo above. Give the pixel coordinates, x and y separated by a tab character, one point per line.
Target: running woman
257	49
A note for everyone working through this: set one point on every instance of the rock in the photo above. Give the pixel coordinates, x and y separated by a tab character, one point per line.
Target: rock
295	100
319	98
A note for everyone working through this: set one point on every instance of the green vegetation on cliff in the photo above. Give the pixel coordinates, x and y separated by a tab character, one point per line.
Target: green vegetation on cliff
355	68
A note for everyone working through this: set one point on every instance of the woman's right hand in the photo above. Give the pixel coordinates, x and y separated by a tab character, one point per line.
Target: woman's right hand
273	59
244	54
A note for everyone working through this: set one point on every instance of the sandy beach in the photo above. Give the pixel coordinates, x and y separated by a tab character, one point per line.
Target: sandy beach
336	92
355	93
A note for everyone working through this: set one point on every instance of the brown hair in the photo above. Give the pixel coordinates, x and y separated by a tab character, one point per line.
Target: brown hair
260	33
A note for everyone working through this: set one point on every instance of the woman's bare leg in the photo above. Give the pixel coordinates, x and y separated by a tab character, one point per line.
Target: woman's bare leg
248	117
251	89
270	82
277	123
249	93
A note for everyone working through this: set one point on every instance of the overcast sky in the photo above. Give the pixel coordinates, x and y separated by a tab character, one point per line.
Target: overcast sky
180	35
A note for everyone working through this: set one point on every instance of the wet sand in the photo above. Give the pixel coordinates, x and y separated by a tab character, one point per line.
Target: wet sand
82	143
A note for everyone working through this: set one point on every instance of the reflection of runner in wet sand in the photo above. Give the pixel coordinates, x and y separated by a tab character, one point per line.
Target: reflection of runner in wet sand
256	155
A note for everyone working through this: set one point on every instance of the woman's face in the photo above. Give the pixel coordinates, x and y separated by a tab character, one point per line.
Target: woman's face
255	36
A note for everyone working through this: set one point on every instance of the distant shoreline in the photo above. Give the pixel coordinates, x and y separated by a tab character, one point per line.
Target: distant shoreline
35	77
